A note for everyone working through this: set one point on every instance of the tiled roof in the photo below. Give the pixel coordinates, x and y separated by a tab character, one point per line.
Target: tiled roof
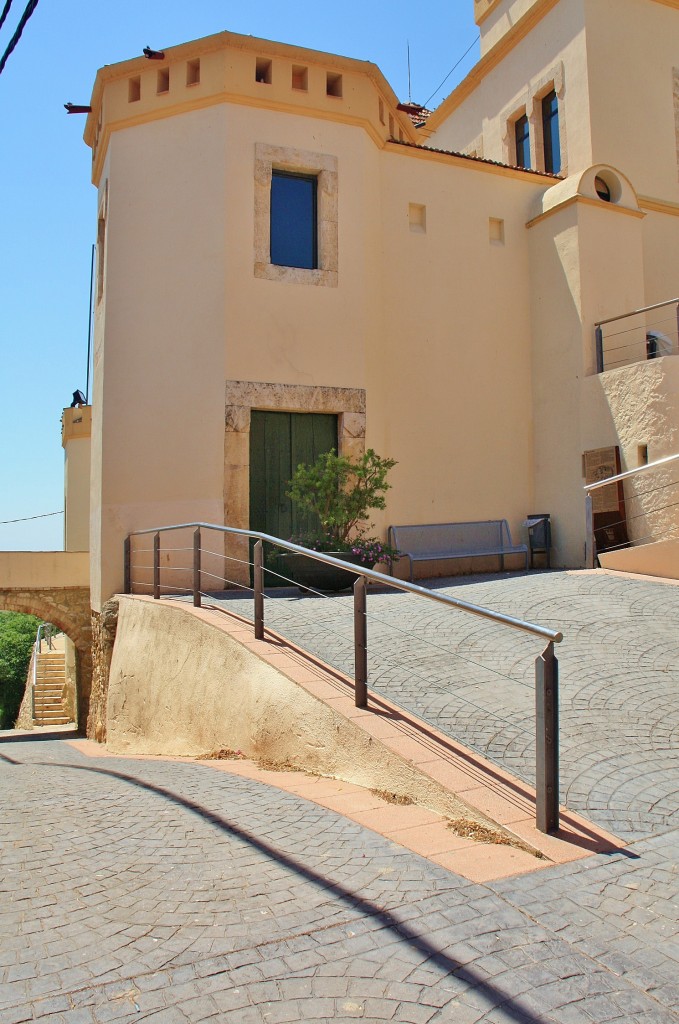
417	114
478	159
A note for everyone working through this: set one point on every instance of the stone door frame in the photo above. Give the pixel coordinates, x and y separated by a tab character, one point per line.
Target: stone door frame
348	404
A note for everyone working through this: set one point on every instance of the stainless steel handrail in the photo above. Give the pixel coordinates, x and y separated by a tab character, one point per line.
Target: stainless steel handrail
636	312
554	636
629	472
600	324
36	652
34	680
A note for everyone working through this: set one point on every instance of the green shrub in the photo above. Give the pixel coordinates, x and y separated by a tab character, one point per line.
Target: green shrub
17	636
342	494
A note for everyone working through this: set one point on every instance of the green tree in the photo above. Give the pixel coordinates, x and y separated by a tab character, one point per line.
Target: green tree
17	635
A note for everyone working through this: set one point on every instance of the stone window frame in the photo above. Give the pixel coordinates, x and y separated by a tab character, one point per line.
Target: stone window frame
521	120
242	397
553	79
475	147
521	107
322	166
529	103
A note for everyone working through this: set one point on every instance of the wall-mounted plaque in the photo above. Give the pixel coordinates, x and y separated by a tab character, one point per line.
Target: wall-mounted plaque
599	465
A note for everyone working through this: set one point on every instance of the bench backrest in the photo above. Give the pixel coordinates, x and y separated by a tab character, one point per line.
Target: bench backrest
440	537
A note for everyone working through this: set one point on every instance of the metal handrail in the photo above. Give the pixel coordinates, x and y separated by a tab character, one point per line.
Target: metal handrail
370	574
546	665
44	629
590	542
629	472
636	312
600	324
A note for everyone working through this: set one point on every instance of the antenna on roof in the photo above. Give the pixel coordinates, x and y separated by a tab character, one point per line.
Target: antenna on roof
410	95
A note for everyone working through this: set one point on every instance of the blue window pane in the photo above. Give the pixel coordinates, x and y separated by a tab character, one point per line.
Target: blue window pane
293	220
550	132
522	135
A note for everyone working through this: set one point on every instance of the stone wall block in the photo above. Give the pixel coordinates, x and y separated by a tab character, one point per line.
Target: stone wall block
353	425
237	497
352	447
237	571
237	419
104	625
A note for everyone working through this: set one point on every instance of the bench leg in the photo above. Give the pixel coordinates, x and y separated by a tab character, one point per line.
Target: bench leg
502	563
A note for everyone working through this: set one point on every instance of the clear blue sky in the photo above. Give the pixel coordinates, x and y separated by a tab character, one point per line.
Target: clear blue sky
49	205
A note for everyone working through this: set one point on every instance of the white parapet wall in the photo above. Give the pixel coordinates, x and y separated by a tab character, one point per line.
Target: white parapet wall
660	559
40	570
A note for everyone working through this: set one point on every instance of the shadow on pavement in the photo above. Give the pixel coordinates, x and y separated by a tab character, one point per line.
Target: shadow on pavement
511	1008
39	737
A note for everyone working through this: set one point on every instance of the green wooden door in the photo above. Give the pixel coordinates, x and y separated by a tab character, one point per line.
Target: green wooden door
279	442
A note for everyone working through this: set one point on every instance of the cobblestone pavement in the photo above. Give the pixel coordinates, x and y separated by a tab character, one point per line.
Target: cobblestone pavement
169	892
619	678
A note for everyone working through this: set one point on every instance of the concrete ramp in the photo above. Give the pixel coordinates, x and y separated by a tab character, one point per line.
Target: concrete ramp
194	681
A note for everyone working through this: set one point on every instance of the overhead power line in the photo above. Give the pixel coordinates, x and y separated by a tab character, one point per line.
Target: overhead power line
468	50
30	7
5	12
45	515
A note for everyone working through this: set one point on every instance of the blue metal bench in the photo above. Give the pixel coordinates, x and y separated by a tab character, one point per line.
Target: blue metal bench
441	541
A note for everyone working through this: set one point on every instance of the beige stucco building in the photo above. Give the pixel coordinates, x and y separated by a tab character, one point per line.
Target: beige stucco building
441	304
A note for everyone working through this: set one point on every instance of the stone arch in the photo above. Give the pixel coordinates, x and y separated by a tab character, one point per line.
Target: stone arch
69	609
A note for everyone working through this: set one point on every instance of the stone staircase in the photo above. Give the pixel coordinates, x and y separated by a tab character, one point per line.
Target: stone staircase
49	688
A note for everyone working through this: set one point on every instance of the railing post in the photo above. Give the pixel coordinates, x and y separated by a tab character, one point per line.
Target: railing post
360	644
156	566
547	740
196	568
34	680
599	335
127	568
590	544
258	580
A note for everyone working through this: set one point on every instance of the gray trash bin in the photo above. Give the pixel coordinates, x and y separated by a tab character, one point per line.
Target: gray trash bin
539	535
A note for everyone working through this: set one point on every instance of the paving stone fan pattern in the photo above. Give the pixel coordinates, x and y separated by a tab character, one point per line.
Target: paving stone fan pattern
171	892
474	680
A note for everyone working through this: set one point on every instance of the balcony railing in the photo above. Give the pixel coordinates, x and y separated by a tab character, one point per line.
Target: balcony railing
634	337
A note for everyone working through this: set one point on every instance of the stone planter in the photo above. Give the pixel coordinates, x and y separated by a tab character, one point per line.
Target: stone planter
310	574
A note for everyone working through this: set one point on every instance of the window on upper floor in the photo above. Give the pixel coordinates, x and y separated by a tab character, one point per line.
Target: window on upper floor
522	141
550	132
296	237
294	220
